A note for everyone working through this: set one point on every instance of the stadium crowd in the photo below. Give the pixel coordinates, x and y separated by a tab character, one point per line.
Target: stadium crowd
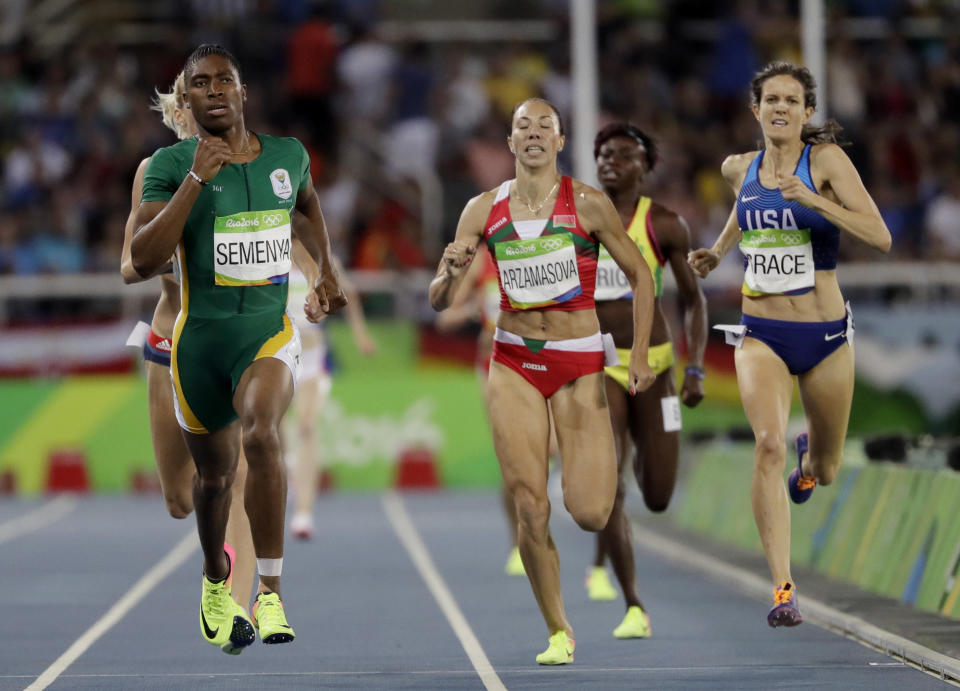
382	116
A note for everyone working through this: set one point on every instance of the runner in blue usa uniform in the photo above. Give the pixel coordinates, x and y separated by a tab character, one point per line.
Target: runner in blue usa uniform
794	198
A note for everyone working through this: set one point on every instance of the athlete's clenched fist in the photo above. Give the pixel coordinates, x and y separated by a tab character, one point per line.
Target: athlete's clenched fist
212	154
457	256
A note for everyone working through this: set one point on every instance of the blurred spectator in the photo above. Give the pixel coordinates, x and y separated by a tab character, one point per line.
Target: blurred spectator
488	158
942	222
377	114
391	240
735	60
466	102
845	77
33	165
311	71
366	68
16	256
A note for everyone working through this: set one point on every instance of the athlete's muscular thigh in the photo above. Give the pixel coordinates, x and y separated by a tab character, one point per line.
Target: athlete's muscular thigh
264	392
766	388
589	458
827	395
655	465
521	429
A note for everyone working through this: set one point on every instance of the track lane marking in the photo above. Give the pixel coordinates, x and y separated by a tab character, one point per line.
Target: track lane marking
410	538
148	581
38	518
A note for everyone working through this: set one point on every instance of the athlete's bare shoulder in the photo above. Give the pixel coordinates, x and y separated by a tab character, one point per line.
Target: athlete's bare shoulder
669	228
474	214
827	156
587	197
734	168
482	203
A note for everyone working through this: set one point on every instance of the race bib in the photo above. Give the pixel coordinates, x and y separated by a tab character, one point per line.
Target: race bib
612	283
540	271
252	248
777	261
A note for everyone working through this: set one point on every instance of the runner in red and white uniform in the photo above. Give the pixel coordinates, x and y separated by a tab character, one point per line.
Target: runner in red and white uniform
544	232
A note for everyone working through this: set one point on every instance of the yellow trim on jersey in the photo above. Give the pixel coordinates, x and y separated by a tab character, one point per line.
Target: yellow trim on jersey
659	357
638	233
275	343
190	420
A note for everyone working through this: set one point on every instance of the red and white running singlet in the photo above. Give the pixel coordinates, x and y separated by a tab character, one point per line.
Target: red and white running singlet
548	264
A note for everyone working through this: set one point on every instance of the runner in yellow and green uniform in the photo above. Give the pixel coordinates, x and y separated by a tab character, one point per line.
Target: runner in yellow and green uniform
646	426
222	203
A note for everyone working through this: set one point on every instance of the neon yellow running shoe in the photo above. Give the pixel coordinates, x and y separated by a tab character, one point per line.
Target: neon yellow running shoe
271	620
514	565
636	624
598	584
223	622
560	650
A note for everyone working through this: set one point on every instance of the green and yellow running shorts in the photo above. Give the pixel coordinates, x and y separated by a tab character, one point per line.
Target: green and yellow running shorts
210	355
659	357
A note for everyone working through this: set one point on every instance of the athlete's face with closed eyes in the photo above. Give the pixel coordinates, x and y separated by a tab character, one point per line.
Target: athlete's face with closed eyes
782	112
535	137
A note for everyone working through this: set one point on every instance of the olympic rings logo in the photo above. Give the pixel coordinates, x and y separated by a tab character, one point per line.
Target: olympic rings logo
792	238
551	244
272	219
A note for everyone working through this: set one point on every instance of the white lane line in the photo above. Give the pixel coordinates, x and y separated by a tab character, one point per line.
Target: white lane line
141	588
410	538
40	517
850	625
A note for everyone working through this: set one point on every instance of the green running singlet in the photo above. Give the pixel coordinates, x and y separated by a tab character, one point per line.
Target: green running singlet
233	260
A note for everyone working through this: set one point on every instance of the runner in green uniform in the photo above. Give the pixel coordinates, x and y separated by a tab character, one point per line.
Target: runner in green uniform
222	203
175	466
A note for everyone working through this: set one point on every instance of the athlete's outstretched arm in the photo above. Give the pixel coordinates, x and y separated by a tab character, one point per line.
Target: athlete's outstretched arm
159	225
466	302
674	236
600	217
315	239
354	313
458	254
130	274
308	267
703	260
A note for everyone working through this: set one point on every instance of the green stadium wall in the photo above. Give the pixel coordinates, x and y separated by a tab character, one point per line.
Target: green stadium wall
380	407
884	527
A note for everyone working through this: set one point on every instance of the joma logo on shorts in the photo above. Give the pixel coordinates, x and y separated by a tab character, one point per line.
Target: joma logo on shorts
534	365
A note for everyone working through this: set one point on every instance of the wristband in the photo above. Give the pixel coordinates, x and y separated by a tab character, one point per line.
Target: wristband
695	371
203	183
